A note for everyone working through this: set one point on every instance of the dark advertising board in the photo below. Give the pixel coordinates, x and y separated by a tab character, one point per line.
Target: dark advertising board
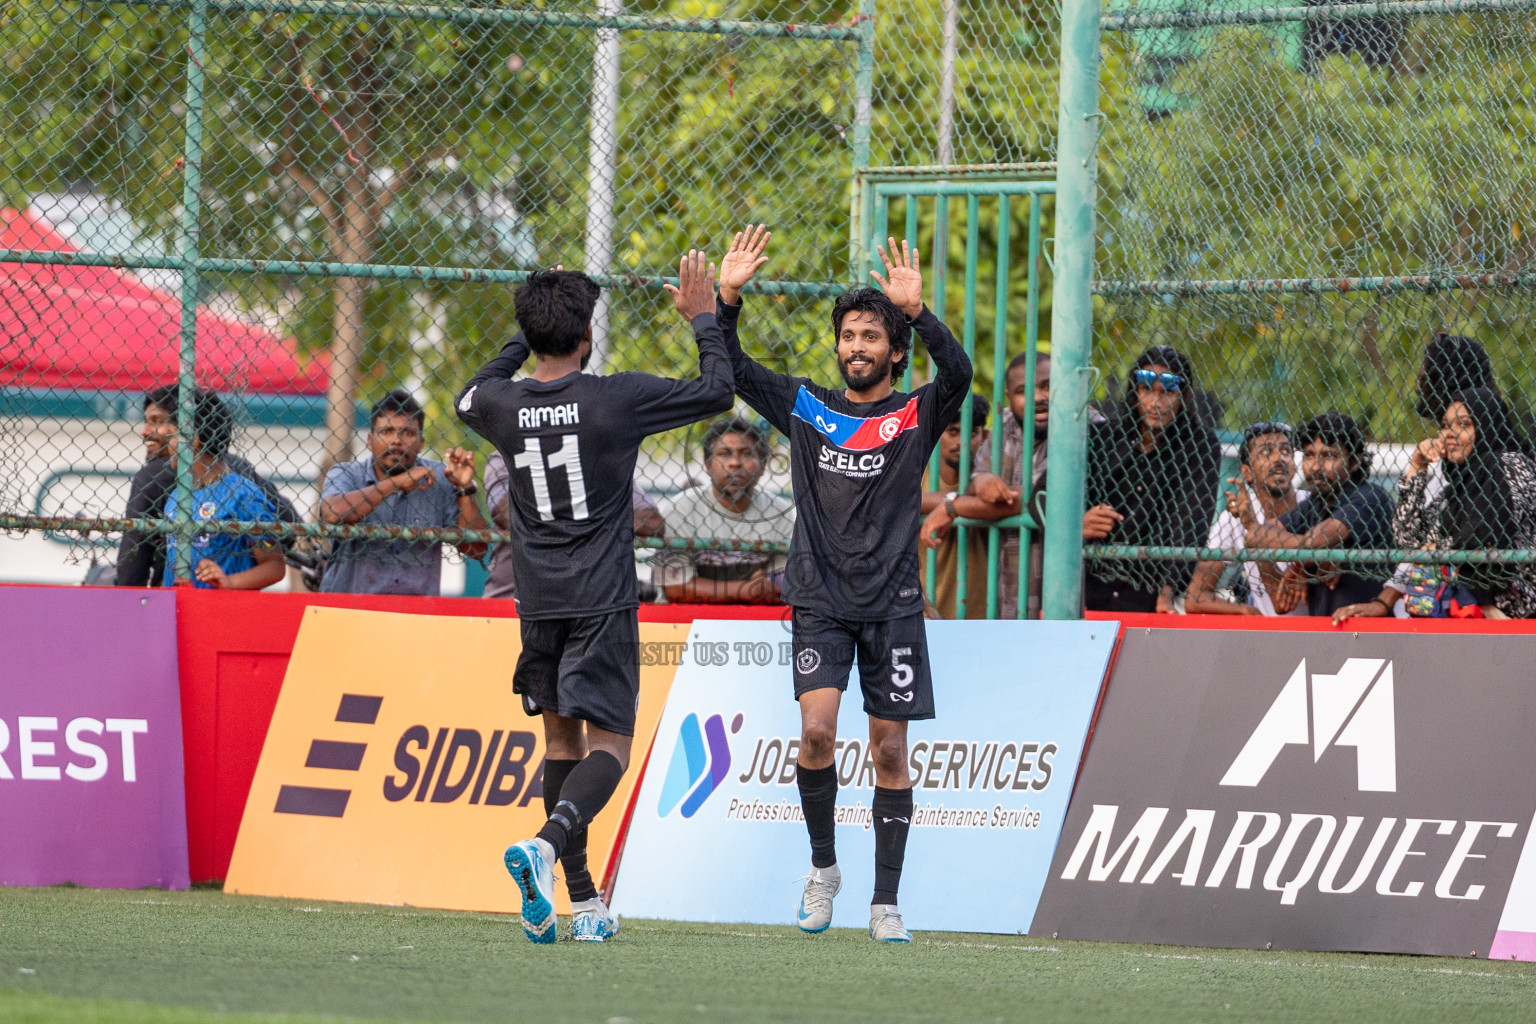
1302	791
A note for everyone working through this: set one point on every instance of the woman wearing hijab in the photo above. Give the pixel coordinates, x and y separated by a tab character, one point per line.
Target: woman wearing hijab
1470	488
1152	472
1452	364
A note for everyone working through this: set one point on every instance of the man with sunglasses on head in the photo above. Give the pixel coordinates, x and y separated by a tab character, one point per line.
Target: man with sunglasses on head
1265	487
1152	469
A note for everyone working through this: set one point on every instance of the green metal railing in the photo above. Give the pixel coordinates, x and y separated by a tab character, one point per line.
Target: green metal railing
876	192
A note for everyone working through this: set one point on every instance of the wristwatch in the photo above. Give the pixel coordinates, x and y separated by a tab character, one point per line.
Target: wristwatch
467	492
949	505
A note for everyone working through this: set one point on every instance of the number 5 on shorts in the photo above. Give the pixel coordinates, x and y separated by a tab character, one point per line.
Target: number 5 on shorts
901	675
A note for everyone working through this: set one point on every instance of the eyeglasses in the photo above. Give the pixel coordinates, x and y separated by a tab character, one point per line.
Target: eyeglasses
1149	378
1267	427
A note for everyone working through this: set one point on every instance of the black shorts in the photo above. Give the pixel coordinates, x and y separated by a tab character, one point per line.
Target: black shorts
586	668
893	662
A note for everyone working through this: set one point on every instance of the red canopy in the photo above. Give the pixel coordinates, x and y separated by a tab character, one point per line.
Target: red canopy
99	329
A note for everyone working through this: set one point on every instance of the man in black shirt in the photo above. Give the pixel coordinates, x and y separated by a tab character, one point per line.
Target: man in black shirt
857	461
570	440
1344	510
141	556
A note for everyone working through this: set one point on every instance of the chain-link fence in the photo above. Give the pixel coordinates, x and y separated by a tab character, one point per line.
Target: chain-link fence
332	198
1298	200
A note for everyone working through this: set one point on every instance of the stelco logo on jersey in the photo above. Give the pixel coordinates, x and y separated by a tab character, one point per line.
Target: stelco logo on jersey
399	763
1298	790
854	440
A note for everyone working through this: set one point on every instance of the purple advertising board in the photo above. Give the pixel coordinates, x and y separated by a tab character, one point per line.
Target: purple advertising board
91	787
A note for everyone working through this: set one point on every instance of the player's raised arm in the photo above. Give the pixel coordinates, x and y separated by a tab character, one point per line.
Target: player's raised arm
507	362
903	285
661	403
771	394
742	262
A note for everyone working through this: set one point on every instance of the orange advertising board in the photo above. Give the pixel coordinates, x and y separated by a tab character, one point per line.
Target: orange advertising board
400	764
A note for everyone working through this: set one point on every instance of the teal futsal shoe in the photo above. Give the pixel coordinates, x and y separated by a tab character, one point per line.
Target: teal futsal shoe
531	870
592	921
885	924
815	914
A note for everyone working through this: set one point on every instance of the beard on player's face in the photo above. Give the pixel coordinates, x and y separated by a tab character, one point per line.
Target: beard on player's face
863	370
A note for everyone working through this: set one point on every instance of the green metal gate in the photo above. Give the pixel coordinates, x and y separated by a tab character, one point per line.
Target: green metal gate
919	199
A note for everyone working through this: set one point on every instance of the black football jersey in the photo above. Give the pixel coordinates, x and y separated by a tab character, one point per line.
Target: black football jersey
570	446
858	472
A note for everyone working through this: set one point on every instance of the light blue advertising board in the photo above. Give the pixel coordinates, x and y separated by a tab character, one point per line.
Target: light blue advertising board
717	832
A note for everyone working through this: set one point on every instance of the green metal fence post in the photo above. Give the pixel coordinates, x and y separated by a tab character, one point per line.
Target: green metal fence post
191	219
1072	308
1031	361
972	253
999	390
863	108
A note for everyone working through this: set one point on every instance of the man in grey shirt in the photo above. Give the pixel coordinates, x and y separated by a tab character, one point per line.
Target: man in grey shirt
394	486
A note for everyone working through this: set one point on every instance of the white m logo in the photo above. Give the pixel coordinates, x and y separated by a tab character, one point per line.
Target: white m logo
1351	708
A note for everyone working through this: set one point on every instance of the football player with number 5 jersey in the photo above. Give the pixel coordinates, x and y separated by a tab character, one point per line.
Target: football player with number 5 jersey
857	458
570	440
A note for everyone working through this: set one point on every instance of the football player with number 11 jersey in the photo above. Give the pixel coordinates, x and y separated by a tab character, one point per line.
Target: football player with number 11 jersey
570	440
857	457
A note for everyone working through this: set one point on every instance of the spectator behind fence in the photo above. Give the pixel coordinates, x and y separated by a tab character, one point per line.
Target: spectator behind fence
1452	364
730	507
394	486
1263	491
499	582
1344	510
1470	488
1023	396
945	505
1152	469
220	561
141	558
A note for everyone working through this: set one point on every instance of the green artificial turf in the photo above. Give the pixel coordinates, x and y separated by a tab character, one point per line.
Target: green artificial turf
69	954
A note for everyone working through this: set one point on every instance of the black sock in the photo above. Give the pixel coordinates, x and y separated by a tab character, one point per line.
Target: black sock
818	798
578	880
585	792
892	810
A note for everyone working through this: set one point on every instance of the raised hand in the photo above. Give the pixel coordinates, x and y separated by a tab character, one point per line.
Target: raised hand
903	283
694	294
744	259
460	469
1428	451
1239	505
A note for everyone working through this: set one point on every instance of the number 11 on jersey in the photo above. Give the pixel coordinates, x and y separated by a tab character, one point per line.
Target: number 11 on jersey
568	458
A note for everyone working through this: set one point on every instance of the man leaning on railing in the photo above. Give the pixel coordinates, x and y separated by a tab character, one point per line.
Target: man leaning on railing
1264	490
731	506
393	486
221	561
141	558
1345	510
943	506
